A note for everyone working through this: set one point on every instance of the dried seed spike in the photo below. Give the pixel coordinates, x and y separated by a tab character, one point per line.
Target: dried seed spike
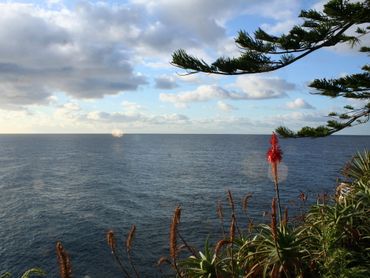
245	201
173	231
65	268
220	244
231	200
130	237
111	240
178	214
232	228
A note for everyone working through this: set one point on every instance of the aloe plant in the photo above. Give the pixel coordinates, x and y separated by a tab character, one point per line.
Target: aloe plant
333	239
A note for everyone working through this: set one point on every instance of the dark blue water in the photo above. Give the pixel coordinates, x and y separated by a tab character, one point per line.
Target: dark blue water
74	188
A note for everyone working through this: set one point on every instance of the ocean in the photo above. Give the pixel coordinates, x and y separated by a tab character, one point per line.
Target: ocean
74	188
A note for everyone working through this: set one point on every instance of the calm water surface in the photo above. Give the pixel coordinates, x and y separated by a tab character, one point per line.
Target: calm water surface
74	188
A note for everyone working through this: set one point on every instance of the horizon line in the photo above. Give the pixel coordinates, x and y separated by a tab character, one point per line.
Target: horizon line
150	133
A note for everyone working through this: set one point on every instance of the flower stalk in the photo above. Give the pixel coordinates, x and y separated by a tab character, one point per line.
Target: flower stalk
274	156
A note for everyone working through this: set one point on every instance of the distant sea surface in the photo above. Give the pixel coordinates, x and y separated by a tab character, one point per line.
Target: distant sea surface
74	188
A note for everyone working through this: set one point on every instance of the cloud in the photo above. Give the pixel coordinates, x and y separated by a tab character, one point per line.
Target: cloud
257	87
275	9
281	27
297	119
245	88
127	118
44	51
91	50
132	113
68	111
202	93
165	83
166	26
299	104
225	107
131	107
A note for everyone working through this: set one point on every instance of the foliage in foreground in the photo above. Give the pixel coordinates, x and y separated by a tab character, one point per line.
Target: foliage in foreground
331	240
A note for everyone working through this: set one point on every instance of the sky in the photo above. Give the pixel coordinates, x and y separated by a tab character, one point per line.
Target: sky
98	66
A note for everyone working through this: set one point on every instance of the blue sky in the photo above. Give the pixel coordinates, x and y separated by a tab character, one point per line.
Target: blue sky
97	66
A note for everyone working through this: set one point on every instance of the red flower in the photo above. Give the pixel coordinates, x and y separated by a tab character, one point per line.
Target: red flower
274	154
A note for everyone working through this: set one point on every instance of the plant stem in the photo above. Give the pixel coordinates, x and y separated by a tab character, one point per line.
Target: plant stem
120	264
132	264
190	249
276	182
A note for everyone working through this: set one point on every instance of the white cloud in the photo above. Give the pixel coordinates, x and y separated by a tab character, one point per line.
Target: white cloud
44	51
202	93
245	87
299	103
275	9
283	12
93	115
131	107
90	51
258	87
68	111
129	118
281	27
319	6
225	107
296	119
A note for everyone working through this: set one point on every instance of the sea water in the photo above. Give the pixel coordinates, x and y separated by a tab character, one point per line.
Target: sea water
74	188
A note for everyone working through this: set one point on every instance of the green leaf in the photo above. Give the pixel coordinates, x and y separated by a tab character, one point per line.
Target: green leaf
360	30
33	271
365	49
285	132
344	117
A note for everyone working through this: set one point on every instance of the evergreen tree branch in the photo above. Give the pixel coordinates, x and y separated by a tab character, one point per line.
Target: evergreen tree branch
264	52
333	126
318	30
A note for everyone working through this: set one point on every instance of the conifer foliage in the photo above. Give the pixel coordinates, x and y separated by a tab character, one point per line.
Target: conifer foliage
340	22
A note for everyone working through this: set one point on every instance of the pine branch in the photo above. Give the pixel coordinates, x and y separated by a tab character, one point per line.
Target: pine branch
361	116
264	52
355	86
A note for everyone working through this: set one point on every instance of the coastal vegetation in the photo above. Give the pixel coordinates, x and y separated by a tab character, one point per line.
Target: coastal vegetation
332	239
